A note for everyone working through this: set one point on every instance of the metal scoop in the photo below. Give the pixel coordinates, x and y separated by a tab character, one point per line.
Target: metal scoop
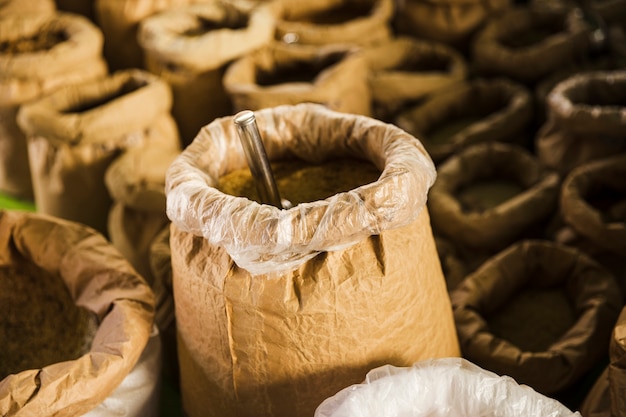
257	158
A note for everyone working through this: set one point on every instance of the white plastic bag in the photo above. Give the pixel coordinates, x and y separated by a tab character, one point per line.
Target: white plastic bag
439	388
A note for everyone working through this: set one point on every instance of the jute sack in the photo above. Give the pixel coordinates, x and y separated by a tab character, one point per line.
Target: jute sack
276	309
190	47
585	120
528	44
531	291
334	75
119	22
593	202
489	195
450	21
405	70
360	22
51	252
606	397
40	53
136	183
12	7
471	112
75	133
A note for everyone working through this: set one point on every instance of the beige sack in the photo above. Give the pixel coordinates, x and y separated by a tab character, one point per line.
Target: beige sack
360	22
190	47
449	21
98	279
511	289
28	72
585	121
278	309
13	7
405	70
489	195
75	133
335	76
471	112
528	43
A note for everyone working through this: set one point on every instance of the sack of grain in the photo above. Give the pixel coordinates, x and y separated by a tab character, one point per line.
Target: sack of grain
528	44
38	54
334	75
470	112
405	70
278	309
489	195
190	47
357	22
75	317
13	7
75	133
585	120
539	312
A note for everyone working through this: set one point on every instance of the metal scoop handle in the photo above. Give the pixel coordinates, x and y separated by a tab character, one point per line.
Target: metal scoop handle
257	158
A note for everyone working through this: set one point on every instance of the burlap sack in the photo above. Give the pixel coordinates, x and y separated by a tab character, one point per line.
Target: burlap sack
335	76
466	220
98	279
537	266
191	46
405	70
359	22
585	120
75	133
119	21
449	21
471	112
26	76
136	183
278	309
593	202
527	43
13	7
606	398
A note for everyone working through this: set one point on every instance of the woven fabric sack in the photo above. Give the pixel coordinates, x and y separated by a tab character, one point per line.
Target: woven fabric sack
190	47
541	267
471	112
40	53
75	133
528	44
278	309
13	7
585	120
334	75
405	70
358	22
97	278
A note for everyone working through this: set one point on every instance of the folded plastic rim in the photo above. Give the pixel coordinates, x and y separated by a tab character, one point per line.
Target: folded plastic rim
264	239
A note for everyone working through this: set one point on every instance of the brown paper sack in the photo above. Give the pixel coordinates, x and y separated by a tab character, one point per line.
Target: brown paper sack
528	43
279	309
28	72
585	120
119	21
75	133
136	183
13	7
191	46
335	76
607	396
534	267
405	70
491	194
593	202
359	22
450	21
98	279
471	112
